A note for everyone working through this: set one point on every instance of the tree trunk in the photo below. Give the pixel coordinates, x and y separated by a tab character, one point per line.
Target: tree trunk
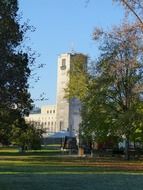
127	154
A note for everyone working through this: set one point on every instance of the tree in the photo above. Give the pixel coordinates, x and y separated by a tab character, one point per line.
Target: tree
114	103
15	99
27	136
132	7
135	7
14	63
8	117
77	86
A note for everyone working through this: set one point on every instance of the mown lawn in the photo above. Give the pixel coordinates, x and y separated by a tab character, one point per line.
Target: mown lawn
47	170
71	182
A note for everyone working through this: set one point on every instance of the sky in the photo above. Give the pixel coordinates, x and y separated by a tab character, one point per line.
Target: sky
60	26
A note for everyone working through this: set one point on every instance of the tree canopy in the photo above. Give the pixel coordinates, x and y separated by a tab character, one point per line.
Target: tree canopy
14	63
15	100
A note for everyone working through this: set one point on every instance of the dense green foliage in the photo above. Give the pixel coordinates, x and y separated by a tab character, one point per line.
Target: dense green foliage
15	101
77	86
112	92
118	85
114	103
26	136
14	63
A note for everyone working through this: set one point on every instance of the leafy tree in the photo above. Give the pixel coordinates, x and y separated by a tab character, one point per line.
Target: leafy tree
114	102
7	117
27	136
15	64
77	86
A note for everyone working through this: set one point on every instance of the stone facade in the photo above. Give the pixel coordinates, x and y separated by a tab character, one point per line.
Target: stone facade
45	119
65	115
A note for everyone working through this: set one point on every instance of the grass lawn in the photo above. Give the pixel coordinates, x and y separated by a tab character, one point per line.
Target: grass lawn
50	170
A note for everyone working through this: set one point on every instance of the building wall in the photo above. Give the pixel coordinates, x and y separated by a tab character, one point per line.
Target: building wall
45	119
62	102
74	117
68	112
65	115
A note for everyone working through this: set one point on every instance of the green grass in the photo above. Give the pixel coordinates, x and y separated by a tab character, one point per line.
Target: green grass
51	170
71	182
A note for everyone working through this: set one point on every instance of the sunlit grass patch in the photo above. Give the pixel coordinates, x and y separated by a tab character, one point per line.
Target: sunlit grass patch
44	170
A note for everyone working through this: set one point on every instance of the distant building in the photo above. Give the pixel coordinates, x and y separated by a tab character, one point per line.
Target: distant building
65	115
46	118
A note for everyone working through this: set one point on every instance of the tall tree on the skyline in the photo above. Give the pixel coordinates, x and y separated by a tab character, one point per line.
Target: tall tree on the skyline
14	63
114	102
15	99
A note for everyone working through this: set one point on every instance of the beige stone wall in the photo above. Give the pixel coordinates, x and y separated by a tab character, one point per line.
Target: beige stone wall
68	113
64	115
46	119
62	102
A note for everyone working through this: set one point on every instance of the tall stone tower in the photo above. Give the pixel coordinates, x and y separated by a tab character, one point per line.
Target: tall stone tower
68	111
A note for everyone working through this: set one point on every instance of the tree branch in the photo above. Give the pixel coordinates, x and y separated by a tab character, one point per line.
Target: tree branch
132	10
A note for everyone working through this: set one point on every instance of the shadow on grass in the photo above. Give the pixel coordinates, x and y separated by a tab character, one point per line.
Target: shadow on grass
71	182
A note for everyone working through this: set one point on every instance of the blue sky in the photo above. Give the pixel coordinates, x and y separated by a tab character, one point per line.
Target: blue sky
60	26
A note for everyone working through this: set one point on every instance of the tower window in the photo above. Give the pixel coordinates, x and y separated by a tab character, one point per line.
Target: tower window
63	62
63	65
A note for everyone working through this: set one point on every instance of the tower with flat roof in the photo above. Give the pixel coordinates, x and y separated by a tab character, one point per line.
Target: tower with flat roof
68	111
65	115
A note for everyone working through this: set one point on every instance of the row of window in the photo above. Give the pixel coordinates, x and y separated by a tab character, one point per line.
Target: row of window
51	123
50	111
44	123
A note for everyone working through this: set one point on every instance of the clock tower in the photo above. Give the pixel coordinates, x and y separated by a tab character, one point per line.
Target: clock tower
62	102
68	111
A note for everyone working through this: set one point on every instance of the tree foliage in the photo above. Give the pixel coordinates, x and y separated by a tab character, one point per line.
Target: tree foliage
27	136
15	101
114	102
14	63
78	83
